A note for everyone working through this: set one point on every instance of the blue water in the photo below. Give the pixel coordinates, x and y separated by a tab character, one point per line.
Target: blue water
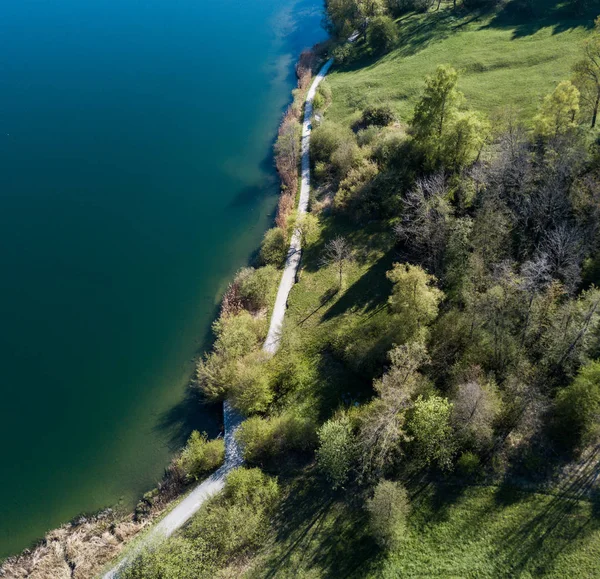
136	177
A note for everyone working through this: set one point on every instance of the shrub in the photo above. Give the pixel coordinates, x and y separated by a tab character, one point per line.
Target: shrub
379	116
336	450
578	406
264	439
274	247
367	136
430	426
388	510
346	156
326	139
468	464
399	7
237	335
322	97
250	388
201	455
382	33
236	521
356	195
255	287
178	558
344	53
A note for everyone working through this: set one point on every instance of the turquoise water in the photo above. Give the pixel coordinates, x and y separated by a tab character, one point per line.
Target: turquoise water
136	177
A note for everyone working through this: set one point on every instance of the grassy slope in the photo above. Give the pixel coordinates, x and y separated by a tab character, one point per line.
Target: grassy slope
502	62
479	531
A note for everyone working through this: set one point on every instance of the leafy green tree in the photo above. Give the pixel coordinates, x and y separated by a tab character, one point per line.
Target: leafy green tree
414	296
558	111
436	109
382	34
430	426
578	406
335	454
200	455
237	335
388	510
468	132
274	247
250	389
587	73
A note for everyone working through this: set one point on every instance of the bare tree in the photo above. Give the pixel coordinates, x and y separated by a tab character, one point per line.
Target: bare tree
425	217
475	408
563	249
338	253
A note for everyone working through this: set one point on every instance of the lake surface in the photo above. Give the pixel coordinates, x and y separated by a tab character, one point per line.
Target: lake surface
135	178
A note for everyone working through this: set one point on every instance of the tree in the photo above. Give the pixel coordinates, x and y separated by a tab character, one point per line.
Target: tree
467	133
337	253
558	111
308	227
382	422
382	34
436	109
200	455
273	248
250	389
388	510
414	296
587	73
475	407
425	219
430	426
578	405
335	453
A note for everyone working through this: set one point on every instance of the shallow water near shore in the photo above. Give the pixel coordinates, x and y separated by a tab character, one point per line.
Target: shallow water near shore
136	177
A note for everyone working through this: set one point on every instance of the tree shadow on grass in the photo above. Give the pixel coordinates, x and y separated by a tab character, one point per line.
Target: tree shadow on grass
553	526
369	293
316	530
558	15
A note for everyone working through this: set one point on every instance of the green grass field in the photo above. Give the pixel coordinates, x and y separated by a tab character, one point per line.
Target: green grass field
473	532
503	62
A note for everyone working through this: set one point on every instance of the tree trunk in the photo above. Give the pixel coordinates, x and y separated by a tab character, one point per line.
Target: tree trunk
595	113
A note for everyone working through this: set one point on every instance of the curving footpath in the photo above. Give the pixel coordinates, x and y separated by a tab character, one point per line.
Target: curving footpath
190	505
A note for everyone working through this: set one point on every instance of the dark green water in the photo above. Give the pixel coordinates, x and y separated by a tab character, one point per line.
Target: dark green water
135	178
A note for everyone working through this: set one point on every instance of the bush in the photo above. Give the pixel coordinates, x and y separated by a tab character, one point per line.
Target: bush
388	510
326	139
236	521
201	455
399	7
256	287
263	439
178	558
344	53
367	136
357	195
346	156
578	406
382	33
237	336
274	247
323	96
336	450
429	424
250	388
380	116
468	465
